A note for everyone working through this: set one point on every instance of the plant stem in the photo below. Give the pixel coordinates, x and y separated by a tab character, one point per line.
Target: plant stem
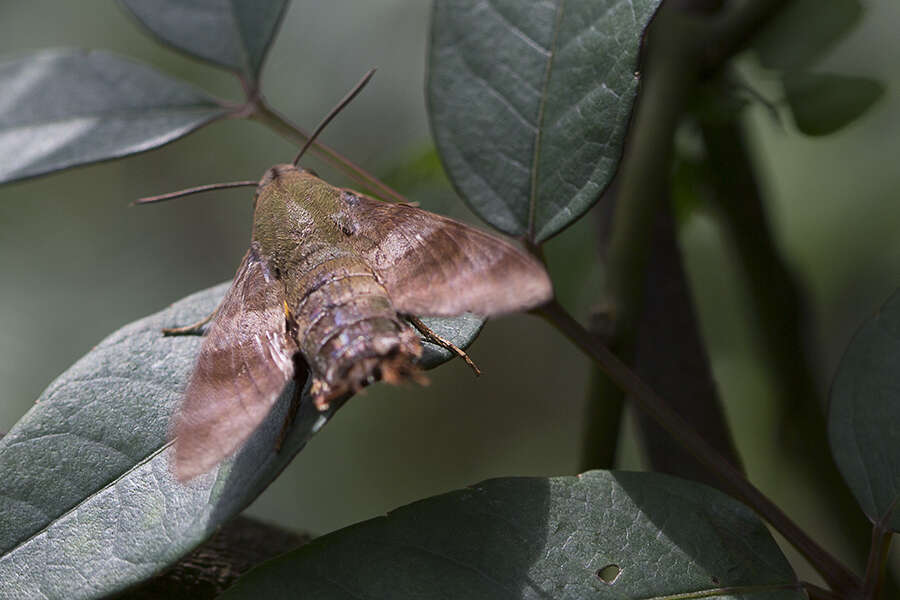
781	316
683	50
268	116
604	419
878	554
817	593
671	357
240	545
841	579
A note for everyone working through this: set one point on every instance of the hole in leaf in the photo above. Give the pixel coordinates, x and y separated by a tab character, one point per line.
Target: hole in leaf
609	574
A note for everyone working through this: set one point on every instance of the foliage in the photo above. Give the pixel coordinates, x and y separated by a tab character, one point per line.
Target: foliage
530	103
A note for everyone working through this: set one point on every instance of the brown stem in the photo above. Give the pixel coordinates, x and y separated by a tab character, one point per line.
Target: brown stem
878	554
207	571
268	116
839	577
816	593
778	305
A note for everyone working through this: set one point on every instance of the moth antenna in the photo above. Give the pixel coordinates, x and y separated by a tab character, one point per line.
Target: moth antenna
194	190
334	112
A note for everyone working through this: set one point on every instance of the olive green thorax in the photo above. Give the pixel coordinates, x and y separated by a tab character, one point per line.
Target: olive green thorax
293	205
346	324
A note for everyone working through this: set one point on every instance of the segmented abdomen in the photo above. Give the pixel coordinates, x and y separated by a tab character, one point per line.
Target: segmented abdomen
347	327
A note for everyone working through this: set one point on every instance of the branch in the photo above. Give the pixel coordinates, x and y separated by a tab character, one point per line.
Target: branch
207	571
268	116
682	49
878	555
840	578
779	309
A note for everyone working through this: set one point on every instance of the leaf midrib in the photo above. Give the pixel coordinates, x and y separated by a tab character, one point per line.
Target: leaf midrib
87	497
727	591
532	196
248	69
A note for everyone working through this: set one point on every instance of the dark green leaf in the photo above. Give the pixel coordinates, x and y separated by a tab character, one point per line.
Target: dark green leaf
85	484
529	103
235	34
804	31
864	418
63	108
822	103
602	535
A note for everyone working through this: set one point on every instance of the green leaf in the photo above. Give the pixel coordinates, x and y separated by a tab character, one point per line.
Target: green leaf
602	535
822	103
88	504
63	108
804	31
864	417
529	103
235	34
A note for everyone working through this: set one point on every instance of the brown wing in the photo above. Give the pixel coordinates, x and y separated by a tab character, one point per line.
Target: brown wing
432	265
244	363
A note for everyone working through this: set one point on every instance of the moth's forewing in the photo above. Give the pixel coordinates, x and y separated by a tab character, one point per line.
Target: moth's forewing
244	363
435	266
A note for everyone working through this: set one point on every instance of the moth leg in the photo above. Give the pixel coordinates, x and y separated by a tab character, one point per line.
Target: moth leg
192	329
431	336
300	373
289	417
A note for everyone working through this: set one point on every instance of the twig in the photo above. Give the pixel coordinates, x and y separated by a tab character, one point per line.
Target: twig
878	553
816	593
839	577
268	116
207	571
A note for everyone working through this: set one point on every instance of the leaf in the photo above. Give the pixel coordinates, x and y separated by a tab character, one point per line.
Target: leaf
235	34
63	108
804	31
529	103
864	417
600	535
88	503
822	103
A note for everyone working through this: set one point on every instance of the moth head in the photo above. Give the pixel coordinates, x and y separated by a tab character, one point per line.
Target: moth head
273	174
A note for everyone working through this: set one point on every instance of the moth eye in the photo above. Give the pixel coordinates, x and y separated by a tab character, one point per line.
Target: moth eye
344	222
350	198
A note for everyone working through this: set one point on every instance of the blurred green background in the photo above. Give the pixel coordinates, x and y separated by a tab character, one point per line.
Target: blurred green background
77	262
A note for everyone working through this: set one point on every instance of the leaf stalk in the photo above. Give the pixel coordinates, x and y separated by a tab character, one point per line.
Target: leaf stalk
281	125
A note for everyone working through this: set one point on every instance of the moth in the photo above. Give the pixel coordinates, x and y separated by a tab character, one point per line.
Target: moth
327	289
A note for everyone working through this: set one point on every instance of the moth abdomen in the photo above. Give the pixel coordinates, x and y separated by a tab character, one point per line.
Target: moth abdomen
349	332
354	354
